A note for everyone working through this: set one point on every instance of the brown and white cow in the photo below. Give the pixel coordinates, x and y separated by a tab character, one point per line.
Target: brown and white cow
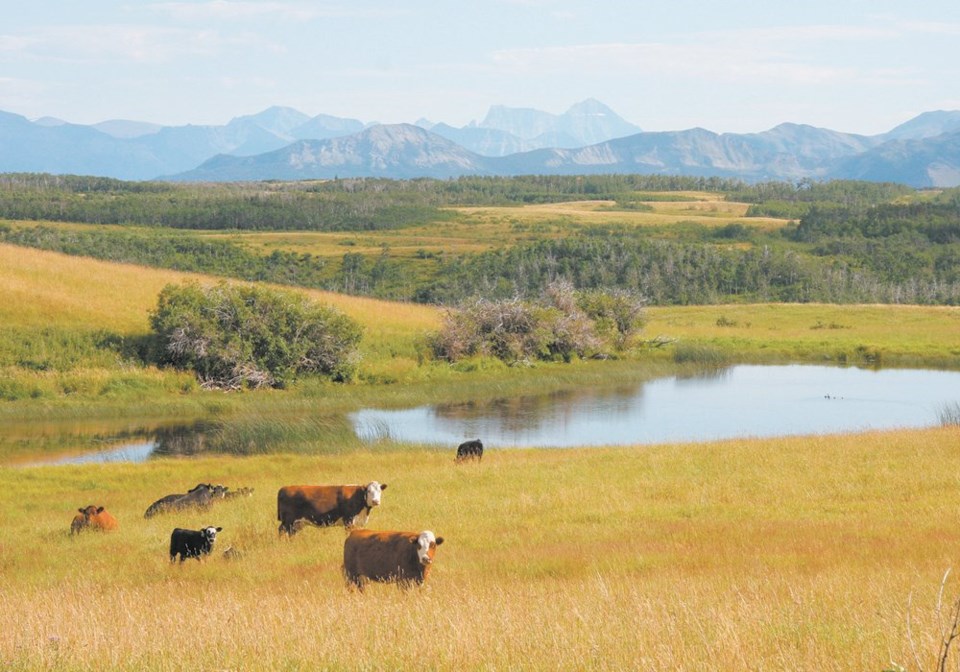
395	557
326	504
93	518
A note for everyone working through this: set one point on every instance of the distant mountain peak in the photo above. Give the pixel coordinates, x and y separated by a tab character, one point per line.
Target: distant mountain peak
585	123
588	138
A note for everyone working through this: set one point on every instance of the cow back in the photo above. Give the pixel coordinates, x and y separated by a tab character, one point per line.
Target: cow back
381	556
104	521
314	502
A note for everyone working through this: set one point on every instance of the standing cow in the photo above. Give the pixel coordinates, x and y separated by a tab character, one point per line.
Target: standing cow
470	450
192	543
326	504
93	518
396	557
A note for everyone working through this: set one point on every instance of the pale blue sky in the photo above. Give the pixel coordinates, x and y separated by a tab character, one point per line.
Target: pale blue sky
734	66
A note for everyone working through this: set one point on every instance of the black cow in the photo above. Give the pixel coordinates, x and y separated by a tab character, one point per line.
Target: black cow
199	497
192	543
469	450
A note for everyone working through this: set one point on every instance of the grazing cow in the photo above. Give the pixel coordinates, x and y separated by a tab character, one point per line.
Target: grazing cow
326	504
397	557
200	497
93	518
469	450
192	543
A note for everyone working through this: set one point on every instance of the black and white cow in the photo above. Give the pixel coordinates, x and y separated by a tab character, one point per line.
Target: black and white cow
192	543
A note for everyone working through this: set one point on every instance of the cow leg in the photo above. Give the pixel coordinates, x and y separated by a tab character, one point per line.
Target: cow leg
288	526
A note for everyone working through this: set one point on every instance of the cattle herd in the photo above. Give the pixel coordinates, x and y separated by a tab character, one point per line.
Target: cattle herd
394	556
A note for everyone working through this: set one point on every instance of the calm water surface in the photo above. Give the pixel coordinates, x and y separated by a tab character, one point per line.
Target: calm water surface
740	401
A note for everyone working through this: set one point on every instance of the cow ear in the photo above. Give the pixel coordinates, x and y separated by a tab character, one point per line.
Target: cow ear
219	529
81	510
383	486
439	540
99	509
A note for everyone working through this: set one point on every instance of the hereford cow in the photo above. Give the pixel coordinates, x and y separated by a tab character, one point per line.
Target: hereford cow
469	450
200	497
399	557
93	518
326	504
192	543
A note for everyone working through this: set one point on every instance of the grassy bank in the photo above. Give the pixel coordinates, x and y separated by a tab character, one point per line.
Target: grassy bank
70	327
795	553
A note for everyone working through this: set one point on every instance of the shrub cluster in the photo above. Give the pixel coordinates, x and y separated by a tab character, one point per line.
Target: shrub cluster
561	325
237	337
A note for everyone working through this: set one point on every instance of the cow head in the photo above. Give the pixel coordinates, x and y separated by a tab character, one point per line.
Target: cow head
426	545
210	533
91	511
374	490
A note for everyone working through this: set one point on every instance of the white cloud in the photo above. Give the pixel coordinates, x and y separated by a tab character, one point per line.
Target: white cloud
931	27
699	61
138	44
223	10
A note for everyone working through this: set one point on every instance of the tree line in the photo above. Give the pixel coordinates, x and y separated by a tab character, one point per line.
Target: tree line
851	242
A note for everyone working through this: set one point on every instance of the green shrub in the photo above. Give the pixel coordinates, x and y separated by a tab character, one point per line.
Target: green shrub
562	325
237	337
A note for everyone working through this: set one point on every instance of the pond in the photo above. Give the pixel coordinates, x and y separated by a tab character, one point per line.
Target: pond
740	401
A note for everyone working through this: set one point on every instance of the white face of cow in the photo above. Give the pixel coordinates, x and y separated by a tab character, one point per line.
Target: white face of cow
374	490
211	533
426	546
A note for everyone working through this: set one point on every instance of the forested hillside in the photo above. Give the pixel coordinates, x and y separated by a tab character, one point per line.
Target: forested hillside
841	241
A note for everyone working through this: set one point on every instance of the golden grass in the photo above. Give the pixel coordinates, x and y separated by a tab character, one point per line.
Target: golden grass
40	287
713	212
893	334
482	228
793	553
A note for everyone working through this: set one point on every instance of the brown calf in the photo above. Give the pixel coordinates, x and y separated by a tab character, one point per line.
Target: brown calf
93	518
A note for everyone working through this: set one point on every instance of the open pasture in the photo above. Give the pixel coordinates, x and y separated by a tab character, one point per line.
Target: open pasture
800	553
857	334
482	228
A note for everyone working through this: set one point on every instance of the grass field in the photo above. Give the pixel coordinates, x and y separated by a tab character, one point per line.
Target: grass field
478	229
821	553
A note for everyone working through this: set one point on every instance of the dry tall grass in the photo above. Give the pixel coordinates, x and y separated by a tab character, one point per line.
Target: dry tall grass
818	553
41	286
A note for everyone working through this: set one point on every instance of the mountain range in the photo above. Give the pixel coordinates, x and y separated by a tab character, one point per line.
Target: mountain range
285	144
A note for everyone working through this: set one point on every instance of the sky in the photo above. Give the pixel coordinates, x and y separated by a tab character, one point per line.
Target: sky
858	66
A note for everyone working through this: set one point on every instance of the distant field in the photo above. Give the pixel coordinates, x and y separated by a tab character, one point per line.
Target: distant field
822	553
477	229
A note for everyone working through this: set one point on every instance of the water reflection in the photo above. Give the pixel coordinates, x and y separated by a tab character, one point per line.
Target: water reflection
184	440
738	401
534	413
127	452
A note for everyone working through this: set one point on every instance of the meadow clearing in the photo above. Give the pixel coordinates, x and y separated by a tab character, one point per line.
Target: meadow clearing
824	552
